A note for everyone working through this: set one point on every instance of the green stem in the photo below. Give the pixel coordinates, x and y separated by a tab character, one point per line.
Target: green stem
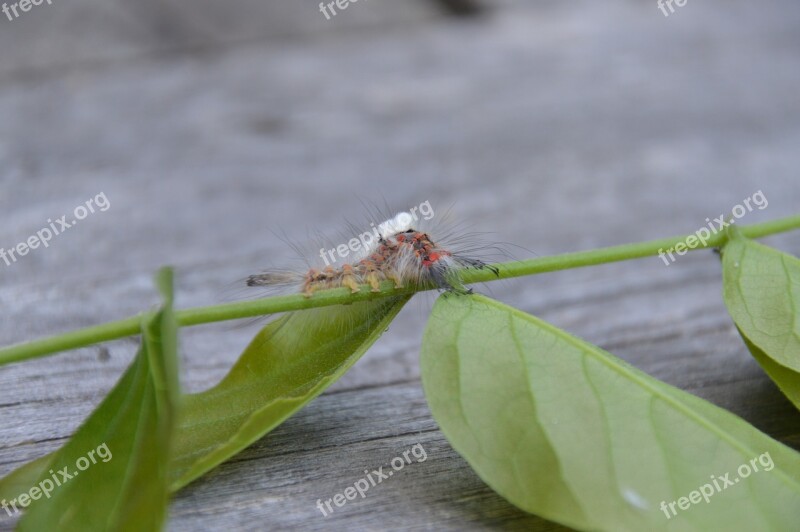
338	296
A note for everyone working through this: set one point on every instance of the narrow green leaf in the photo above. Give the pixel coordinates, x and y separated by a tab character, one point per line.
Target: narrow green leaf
115	466
21	479
567	431
761	287
289	363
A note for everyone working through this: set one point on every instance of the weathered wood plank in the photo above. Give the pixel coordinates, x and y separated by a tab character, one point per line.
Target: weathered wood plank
61	36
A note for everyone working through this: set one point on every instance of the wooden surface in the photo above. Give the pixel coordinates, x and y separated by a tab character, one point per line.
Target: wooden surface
558	125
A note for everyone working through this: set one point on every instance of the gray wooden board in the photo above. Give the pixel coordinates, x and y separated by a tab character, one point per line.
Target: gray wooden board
558	126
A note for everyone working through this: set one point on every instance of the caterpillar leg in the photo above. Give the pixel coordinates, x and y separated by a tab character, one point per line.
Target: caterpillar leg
349	279
374	282
392	276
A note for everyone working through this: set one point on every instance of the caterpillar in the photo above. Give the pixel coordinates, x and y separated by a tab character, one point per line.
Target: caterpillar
402	252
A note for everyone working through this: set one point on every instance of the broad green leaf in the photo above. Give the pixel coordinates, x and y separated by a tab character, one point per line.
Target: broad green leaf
569	432
787	380
288	364
114	467
761	287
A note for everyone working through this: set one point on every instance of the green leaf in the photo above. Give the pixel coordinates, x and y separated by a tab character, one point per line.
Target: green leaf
21	479
761	287
116	463
787	380
289	363
567	431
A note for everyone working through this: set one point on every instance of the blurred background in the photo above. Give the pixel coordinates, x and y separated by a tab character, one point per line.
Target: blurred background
558	126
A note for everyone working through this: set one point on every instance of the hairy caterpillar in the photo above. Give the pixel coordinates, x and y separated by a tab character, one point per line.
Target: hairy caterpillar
403	252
